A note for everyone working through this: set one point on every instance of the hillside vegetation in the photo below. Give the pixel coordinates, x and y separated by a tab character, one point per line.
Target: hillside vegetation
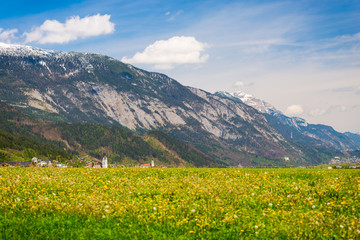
23	137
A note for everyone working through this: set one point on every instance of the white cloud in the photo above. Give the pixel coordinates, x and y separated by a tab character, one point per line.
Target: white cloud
294	110
239	84
317	112
324	111
53	31
164	54
7	35
174	16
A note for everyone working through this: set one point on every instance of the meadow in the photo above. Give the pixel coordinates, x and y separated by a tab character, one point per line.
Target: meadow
133	203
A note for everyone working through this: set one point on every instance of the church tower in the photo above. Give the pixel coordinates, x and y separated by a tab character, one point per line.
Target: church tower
104	163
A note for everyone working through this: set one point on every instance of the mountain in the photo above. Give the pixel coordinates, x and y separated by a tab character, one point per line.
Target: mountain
297	129
355	137
23	137
92	88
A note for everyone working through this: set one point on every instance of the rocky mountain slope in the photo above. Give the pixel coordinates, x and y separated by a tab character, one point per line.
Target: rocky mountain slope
297	129
83	87
23	137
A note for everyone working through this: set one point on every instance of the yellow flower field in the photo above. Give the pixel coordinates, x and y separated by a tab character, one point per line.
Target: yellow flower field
48	203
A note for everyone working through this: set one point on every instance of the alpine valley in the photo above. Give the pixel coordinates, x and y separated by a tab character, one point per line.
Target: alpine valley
83	103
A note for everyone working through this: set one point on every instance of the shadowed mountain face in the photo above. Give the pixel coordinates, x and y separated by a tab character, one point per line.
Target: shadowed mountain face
82	87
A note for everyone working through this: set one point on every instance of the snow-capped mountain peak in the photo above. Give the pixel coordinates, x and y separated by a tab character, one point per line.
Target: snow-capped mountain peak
23	50
250	100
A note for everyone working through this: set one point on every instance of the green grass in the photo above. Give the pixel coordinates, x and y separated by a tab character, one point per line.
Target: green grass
45	203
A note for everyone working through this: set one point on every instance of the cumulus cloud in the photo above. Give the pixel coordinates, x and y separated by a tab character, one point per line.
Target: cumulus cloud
7	35
53	31
294	110
165	54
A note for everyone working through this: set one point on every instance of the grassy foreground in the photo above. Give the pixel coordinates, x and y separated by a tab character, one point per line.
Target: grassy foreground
46	203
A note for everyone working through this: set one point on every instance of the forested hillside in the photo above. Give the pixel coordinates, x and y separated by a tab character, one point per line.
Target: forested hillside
23	137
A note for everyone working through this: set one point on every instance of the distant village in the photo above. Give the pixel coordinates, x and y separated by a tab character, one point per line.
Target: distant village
353	160
336	162
35	162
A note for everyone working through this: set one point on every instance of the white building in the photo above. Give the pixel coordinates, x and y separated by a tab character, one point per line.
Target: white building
34	160
104	163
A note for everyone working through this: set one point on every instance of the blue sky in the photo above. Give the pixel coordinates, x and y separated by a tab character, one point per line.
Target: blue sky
303	57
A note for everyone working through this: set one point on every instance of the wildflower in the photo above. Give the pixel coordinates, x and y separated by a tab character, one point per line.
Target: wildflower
193	210
235	216
270	204
341	226
313	206
154	208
